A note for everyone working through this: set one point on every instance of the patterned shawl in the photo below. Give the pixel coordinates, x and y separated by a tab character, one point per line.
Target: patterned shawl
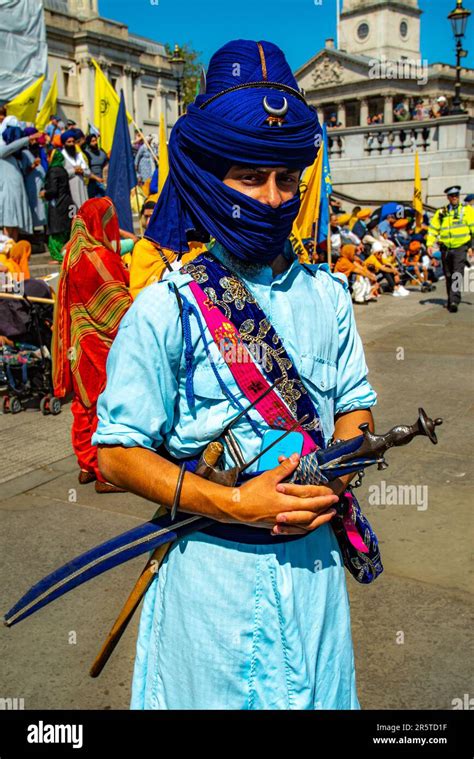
92	298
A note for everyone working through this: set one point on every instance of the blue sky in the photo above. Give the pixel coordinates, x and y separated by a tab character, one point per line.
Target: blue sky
299	27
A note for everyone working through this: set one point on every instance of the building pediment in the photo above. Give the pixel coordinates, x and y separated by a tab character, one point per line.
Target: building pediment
331	68
327	71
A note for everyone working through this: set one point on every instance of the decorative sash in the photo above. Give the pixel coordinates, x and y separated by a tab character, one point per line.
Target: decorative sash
252	349
238	327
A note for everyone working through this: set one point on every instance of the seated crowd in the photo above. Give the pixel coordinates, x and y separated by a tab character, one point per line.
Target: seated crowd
378	253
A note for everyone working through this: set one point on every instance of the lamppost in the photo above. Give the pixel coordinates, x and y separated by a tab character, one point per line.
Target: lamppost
178	63
458	18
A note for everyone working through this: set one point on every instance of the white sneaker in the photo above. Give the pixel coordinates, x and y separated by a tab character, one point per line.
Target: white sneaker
403	290
397	294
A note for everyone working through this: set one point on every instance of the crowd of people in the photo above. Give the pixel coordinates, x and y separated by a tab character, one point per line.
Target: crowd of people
404	111
381	252
45	177
381	255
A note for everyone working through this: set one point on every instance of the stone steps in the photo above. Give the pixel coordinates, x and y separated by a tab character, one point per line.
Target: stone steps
40	265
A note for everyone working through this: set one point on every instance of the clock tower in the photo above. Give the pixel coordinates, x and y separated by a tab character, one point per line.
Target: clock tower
387	29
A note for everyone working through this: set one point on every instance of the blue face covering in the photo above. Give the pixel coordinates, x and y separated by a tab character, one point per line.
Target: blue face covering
229	125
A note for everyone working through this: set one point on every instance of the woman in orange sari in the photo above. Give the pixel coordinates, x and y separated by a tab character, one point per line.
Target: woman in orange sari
92	298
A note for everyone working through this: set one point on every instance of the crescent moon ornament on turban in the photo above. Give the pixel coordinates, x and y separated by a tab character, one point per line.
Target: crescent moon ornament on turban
276	114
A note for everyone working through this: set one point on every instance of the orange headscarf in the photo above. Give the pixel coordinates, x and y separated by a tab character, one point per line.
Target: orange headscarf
345	262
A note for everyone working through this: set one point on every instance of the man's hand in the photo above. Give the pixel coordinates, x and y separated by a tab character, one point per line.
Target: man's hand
285	508
78	170
257	502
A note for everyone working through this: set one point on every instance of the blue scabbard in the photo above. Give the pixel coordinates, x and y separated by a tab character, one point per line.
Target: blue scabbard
141	539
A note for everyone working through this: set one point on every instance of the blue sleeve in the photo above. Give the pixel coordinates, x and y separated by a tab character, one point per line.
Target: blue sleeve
353	391
8	150
137	405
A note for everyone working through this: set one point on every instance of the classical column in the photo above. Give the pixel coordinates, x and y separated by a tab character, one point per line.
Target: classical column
388	109
364	111
138	97
86	85
135	73
341	113
128	72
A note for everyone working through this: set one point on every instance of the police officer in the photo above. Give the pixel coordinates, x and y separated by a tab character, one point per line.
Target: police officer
453	228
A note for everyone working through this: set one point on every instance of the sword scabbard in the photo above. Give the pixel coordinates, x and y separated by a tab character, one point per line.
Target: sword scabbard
207	462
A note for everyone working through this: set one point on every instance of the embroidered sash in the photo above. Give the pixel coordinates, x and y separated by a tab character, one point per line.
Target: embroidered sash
238	325
252	349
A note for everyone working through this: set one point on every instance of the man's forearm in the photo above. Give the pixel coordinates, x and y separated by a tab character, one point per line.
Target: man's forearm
347	426
153	477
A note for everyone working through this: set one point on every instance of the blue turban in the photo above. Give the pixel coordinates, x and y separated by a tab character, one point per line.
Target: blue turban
67	134
229	124
12	133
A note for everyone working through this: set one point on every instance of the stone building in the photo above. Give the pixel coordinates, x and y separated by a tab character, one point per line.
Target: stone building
377	67
139	66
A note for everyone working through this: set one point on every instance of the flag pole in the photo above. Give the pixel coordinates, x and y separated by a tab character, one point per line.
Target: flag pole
138	209
338	16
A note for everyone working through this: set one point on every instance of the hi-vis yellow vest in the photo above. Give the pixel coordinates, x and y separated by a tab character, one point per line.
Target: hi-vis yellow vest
452	227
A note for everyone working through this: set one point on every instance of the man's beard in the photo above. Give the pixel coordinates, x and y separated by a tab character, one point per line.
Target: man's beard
244	267
94	148
70	150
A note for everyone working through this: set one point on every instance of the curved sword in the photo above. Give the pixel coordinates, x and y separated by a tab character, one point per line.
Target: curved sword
141	539
357	453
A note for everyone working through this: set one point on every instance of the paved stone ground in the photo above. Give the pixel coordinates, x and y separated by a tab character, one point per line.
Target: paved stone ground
424	596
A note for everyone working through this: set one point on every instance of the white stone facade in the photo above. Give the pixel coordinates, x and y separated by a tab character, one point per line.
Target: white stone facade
375	69
75	34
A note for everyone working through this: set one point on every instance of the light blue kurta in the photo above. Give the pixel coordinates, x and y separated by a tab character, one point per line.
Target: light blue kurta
14	206
227	625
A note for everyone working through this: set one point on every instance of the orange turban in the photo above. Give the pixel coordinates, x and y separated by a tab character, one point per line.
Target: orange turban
343	218
348	251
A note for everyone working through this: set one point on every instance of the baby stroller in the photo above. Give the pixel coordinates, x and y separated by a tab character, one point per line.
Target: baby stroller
25	358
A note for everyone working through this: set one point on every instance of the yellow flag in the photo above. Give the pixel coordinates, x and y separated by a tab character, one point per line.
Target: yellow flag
310	189
163	165
49	106
25	105
298	246
417	199
106	105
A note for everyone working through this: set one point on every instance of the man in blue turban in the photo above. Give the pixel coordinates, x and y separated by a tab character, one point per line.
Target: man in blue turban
253	612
